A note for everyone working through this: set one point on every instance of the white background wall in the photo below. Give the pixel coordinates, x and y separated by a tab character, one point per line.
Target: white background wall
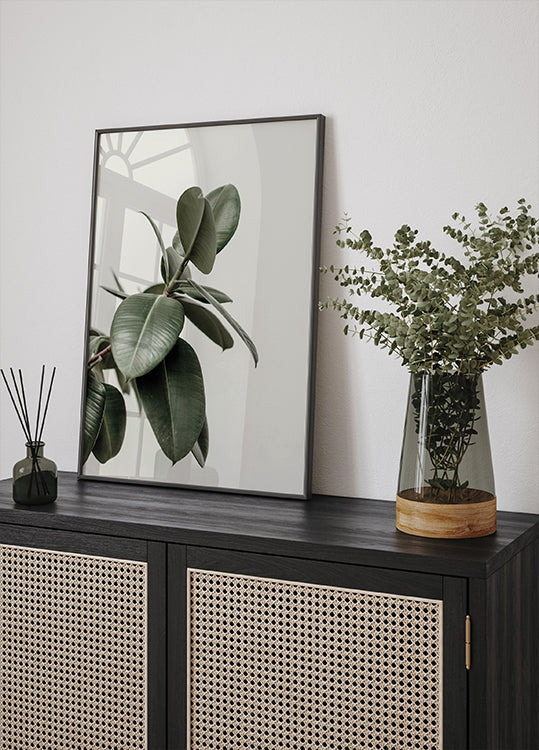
432	106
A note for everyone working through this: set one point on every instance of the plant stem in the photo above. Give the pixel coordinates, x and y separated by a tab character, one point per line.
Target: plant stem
97	357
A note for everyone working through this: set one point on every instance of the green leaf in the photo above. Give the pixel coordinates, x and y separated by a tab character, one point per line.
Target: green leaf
156	230
143	331
93	415
155	289
177	244
170	263
226	315
165	260
117	280
186	288
209	324
196	228
201	447
172	395
112	431
97	342
115	292
226	206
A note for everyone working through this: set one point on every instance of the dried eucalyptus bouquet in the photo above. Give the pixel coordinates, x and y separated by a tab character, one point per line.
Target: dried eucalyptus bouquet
451	319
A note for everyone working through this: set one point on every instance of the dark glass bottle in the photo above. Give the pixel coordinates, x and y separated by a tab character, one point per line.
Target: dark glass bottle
35	478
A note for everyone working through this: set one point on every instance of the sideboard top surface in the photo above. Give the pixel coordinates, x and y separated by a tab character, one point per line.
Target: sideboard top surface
347	530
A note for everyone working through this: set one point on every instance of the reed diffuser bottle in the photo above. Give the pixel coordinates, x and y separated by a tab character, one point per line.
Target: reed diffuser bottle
35	478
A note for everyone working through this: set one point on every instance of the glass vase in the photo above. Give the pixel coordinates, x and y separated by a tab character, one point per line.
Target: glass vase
35	478
446	482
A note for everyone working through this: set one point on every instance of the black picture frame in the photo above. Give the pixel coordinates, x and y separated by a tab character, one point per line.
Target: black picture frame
260	419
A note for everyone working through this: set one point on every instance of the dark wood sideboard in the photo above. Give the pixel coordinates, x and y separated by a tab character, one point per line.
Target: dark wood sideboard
153	617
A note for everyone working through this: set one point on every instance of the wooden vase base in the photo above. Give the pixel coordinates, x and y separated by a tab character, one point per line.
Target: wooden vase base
446	521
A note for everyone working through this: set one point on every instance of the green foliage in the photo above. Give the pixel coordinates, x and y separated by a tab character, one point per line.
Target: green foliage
448	315
145	348
446	415
172	395
111	433
144	329
450	318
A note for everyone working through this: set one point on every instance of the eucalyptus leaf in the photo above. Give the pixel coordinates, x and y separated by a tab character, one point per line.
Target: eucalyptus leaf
173	399
111	433
93	416
196	228
226	206
143	331
226	315
208	323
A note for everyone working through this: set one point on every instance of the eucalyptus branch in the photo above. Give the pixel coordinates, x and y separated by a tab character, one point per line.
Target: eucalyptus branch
450	312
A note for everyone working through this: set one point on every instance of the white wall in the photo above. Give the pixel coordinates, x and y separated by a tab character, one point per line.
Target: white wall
431	106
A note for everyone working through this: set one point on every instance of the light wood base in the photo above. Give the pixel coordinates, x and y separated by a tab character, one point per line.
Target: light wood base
445	521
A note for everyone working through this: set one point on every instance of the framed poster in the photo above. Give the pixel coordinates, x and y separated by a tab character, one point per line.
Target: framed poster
202	305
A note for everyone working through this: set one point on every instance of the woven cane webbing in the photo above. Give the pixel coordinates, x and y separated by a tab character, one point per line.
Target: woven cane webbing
73	650
277	665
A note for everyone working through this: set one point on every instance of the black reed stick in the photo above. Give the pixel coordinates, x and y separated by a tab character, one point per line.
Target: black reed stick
26	427
36	472
46	404
14	404
25	405
39	400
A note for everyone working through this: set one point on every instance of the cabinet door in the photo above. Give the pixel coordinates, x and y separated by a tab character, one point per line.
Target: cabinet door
82	619
309	655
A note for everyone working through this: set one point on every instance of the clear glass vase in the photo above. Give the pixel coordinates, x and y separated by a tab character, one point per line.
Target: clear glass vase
35	478
446	482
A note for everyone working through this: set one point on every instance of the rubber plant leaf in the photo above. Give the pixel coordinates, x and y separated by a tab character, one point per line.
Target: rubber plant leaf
177	244
111	433
167	273
201	447
196	228
208	323
117	280
226	206
172	396
170	263
226	315
93	416
155	289
186	288
115	292
97	342
143	331
101	346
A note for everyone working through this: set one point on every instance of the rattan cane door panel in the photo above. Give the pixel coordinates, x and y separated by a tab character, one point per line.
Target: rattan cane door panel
73	651
282	665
